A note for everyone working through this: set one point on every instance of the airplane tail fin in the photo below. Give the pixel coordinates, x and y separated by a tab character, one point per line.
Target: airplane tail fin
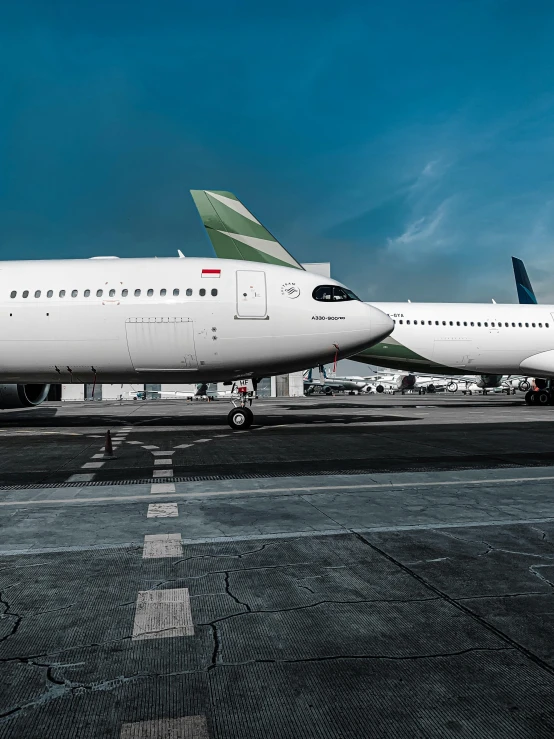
235	233
525	291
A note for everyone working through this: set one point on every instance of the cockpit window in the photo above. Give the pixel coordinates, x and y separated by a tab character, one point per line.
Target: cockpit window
333	293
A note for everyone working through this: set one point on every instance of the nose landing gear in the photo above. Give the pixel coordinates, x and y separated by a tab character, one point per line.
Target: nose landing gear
241	417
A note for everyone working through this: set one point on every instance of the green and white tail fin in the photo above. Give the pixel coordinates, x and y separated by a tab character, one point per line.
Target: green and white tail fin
235	233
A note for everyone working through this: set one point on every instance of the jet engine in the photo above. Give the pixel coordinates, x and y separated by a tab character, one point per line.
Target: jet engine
489	381
22	396
406	382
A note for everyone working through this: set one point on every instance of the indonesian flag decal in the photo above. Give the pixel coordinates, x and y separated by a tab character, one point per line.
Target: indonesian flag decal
211	273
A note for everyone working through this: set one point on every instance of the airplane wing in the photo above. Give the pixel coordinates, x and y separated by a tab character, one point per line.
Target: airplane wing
235	233
525	291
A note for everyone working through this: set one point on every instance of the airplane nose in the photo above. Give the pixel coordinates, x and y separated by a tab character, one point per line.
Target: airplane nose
381	324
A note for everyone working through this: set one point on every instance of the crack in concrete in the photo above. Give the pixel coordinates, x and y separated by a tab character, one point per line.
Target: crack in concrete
460	606
234	597
227	556
8	613
533	570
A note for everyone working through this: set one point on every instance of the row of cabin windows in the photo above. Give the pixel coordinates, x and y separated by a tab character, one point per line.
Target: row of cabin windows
111	293
492	324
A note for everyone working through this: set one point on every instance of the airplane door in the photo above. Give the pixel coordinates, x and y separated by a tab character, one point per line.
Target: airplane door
161	344
251	294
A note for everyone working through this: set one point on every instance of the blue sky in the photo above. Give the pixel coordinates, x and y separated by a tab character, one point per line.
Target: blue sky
409	143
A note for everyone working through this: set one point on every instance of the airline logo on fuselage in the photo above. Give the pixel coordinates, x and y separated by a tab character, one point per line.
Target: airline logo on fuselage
290	289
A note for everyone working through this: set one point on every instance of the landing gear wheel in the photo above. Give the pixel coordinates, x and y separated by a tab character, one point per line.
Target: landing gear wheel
531	397
543	398
240	418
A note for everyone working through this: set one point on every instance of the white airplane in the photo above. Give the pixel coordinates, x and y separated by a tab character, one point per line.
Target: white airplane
436	338
328	383
169	320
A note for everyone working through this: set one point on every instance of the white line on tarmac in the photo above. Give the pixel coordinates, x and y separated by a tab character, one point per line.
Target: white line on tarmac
162	510
183	446
200	441
283	492
162	487
163	473
161	454
150	446
92	465
81	477
163	613
98	456
162	545
186	727
163	461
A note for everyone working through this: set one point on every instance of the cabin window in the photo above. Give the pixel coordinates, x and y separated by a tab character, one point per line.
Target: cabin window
465	323
479	323
50	293
437	323
176	291
526	325
202	292
137	293
533	325
163	292
112	293
13	293
400	321
520	325
408	323
214	293
87	293
25	293
444	323
472	324
451	323
492	324
540	325
62	293
37	293
99	293
189	292
124	293
457	323
74	293
415	323
513	325
546	325
150	292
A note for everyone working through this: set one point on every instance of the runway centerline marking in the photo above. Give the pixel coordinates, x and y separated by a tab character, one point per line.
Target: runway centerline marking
162	614
162	510
186	727
163	461
163	473
92	465
162	545
162	487
162	454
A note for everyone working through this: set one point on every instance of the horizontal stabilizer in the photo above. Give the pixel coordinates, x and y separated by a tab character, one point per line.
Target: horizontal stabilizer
235	233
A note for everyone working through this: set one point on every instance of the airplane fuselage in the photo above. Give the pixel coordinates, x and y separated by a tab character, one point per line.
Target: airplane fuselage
173	320
474	338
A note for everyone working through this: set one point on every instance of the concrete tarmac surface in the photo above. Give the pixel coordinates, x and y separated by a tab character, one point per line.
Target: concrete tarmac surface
349	567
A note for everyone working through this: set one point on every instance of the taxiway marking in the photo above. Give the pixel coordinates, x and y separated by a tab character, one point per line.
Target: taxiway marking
186	727
162	545
163	461
163	473
162	510
162	614
162	487
92	465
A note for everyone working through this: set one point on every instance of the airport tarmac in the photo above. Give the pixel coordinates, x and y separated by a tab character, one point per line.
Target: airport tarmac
360	566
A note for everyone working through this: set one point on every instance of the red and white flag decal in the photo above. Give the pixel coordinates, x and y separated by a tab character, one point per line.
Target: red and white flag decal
211	273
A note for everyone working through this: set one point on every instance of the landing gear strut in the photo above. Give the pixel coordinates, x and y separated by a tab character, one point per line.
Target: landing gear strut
242	392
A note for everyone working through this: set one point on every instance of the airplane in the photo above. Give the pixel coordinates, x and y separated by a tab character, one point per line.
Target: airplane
329	383
193	320
483	339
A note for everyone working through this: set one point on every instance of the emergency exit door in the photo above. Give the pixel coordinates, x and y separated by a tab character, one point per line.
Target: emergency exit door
251	294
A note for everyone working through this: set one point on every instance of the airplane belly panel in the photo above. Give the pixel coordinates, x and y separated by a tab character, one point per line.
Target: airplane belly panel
161	344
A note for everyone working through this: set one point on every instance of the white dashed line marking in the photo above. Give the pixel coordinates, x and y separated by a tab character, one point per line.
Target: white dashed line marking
92	465
163	473
162	510
183	446
135	442
200	441
98	456
162	487
163	461
162	613
150	447
187	727
162	545
162	454
81	477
